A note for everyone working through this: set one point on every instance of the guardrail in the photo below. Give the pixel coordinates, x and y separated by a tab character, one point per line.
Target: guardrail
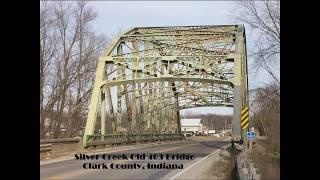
45	151
64	140
52	148
112	139
45	147
246	168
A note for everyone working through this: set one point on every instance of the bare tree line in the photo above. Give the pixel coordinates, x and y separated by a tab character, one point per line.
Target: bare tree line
264	18
211	121
265	110
69	49
265	107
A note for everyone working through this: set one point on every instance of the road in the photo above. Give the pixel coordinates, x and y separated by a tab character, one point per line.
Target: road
73	169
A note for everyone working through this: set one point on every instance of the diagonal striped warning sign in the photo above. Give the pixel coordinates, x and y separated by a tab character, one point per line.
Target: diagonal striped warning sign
244	117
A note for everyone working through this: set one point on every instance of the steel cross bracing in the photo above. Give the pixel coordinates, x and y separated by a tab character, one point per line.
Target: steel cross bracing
150	73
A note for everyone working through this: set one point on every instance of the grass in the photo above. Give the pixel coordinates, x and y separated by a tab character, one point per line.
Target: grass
267	163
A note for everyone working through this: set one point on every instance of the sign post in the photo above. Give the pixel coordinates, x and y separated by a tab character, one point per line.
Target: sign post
251	135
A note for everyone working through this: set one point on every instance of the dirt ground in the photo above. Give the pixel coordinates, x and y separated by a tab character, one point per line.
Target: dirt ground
224	169
220	170
267	166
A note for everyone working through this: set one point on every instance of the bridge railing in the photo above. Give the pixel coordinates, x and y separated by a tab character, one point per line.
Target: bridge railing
52	148
112	139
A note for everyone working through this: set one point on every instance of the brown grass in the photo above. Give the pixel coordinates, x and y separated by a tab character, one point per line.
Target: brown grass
268	167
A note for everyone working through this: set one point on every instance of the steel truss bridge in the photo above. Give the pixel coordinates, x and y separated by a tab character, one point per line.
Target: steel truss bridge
148	74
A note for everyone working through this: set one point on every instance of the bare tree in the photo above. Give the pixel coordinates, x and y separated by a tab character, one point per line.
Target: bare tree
266	108
73	59
47	51
265	117
264	17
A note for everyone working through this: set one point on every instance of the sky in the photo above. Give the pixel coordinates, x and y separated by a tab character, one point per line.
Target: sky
115	16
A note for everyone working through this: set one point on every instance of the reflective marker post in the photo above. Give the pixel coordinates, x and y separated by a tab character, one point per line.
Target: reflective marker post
251	135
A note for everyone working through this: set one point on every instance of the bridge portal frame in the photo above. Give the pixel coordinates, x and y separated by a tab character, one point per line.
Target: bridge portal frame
147	62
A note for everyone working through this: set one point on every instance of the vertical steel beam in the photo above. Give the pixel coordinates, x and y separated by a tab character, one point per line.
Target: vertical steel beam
146	118
120	70
141	111
119	108
128	106
140	66
103	114
166	119
178	122
240	88
132	124
153	70
110	104
173	113
161	119
95	97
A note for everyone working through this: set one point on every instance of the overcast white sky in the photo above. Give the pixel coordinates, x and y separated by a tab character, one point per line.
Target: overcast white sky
115	16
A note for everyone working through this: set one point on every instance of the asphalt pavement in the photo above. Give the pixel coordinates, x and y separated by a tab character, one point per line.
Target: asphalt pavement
183	155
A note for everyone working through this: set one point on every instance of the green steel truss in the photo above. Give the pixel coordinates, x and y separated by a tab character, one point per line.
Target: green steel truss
150	73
